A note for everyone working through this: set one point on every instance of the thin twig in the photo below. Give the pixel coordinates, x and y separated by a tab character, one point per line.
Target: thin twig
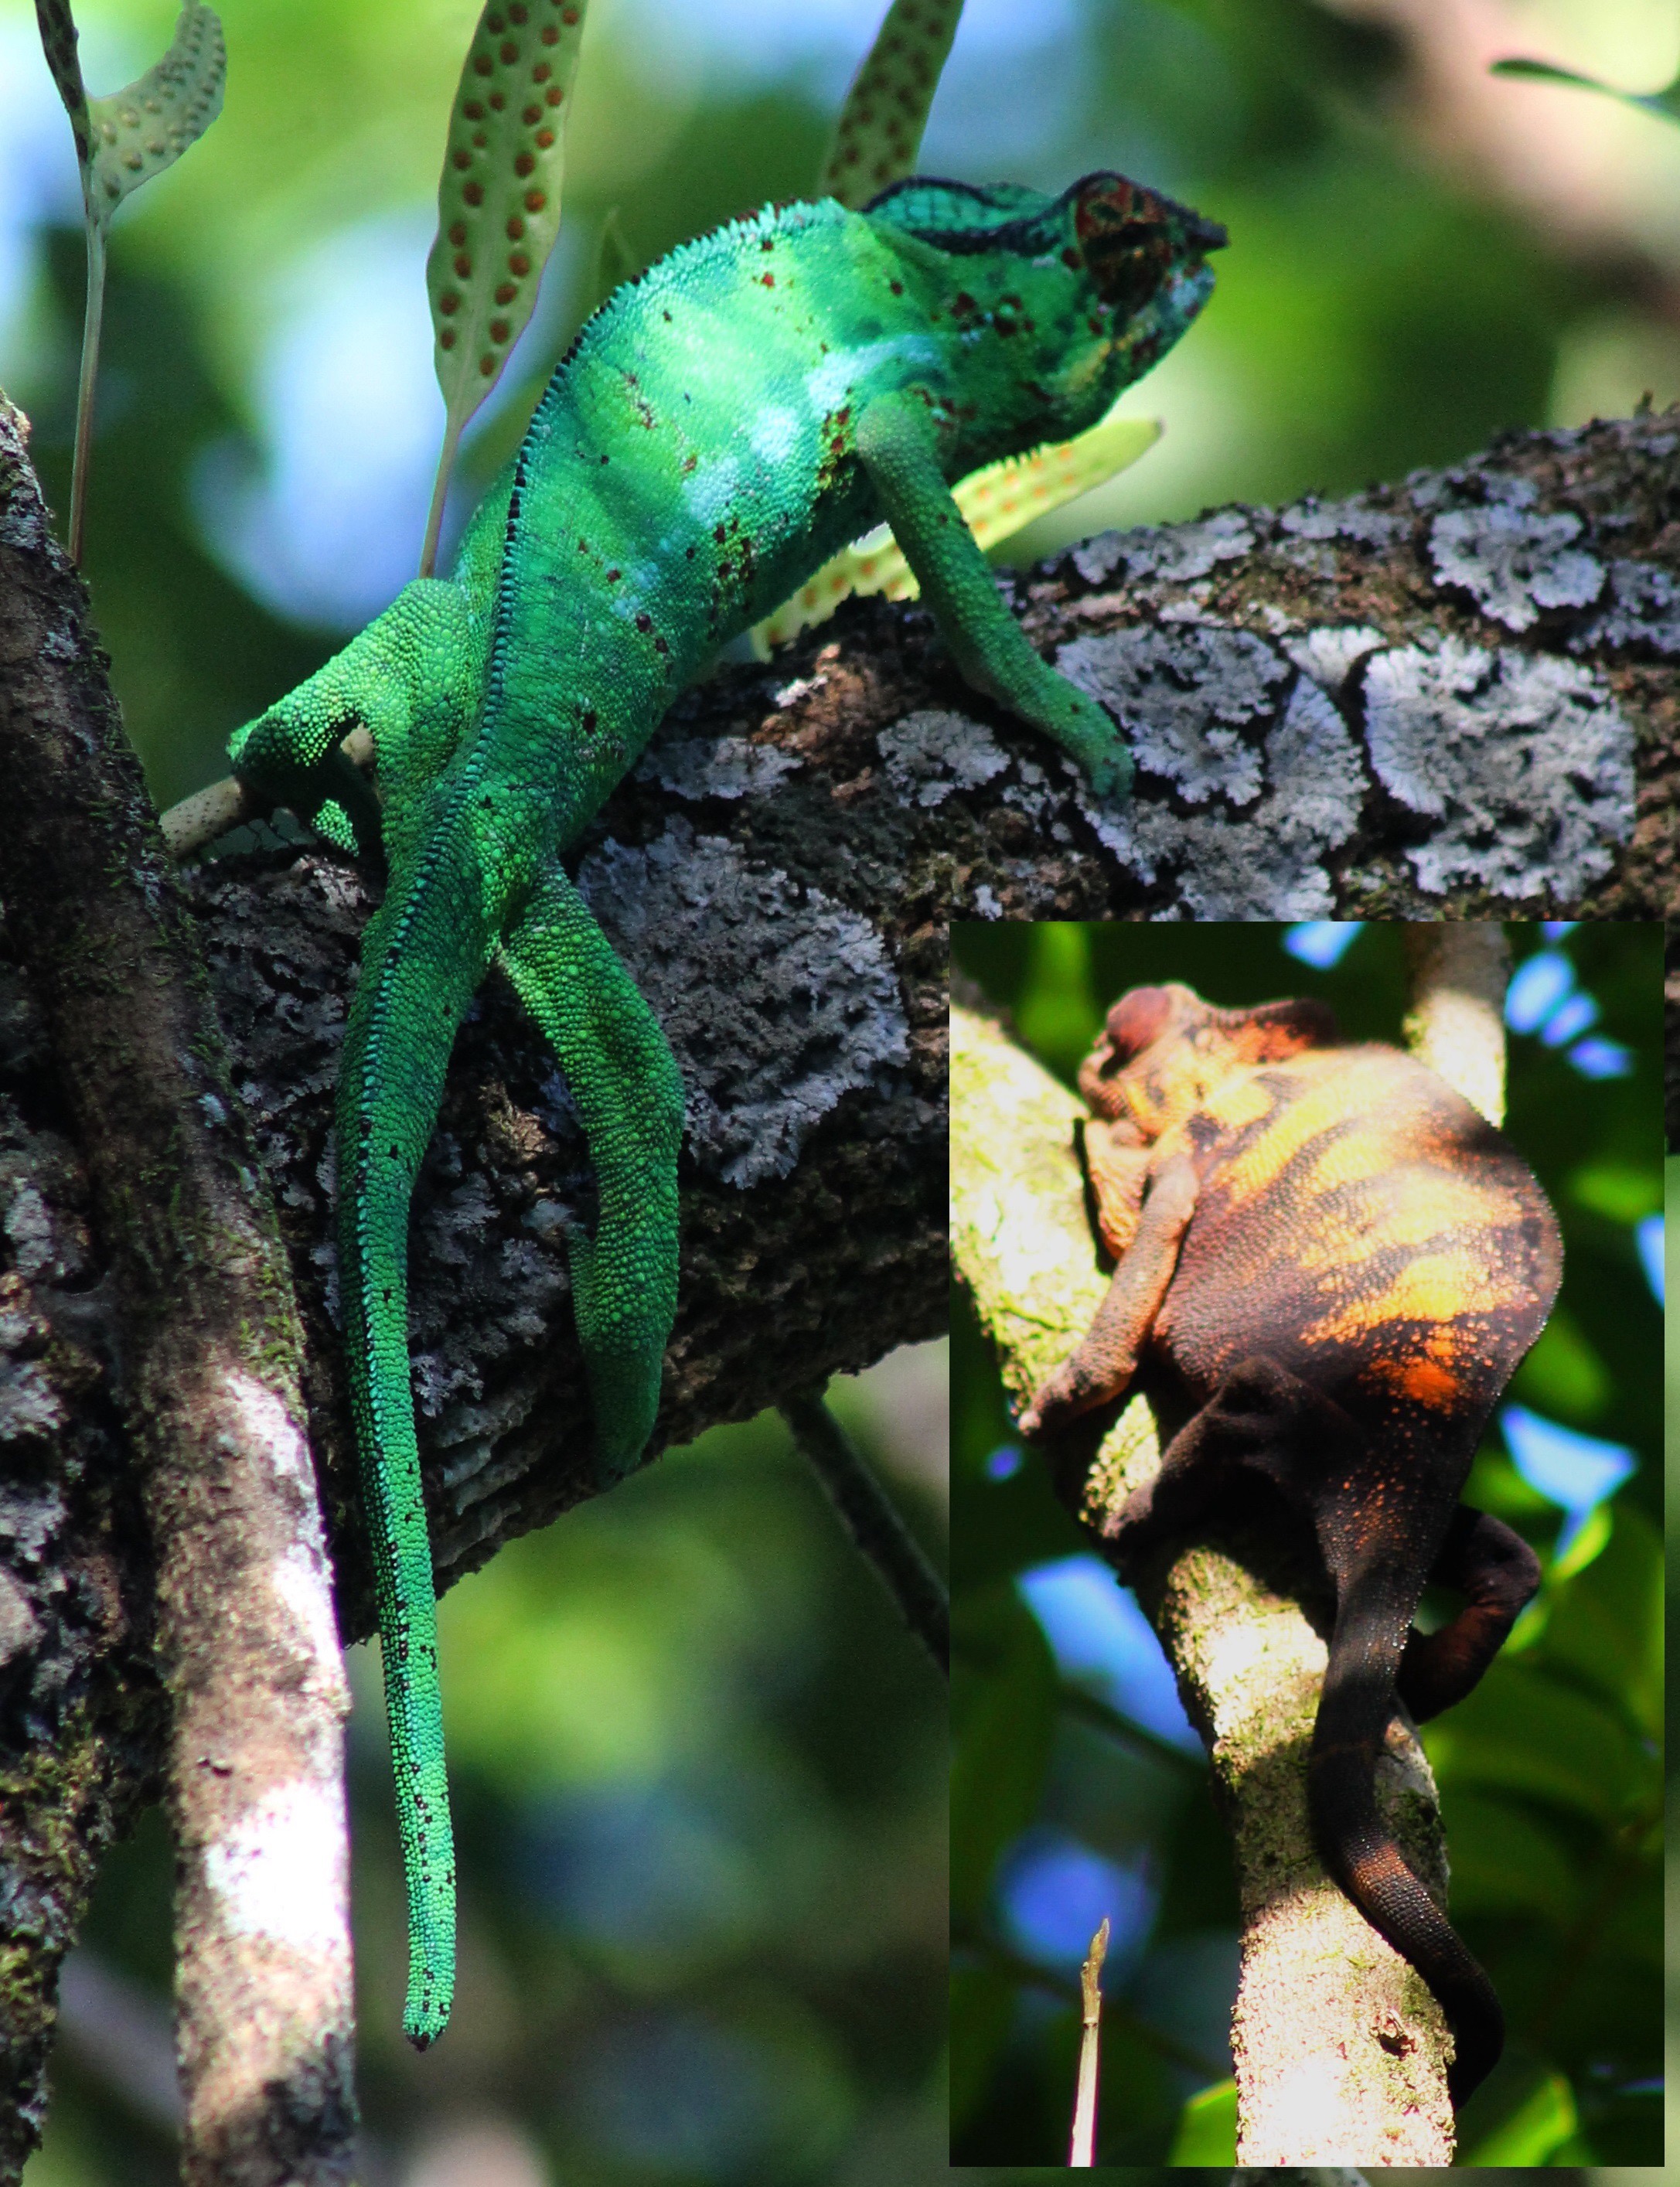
1085	2105
874	1525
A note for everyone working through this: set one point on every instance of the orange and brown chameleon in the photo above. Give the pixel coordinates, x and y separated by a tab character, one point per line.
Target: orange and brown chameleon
1338	1263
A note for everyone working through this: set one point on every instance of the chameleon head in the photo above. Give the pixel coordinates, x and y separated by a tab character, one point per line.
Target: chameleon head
1164	1049
1147	260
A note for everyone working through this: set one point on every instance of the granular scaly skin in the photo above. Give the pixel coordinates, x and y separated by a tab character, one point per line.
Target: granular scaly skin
722	427
1339	1264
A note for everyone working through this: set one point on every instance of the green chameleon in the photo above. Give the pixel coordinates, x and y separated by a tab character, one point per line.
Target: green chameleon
721	426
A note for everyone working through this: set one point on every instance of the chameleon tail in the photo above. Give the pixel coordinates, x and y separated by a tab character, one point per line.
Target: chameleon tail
629	1096
421	968
1373	1619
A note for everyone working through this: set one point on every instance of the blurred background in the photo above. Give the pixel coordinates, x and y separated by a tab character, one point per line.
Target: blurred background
1079	1788
698	1769
1420	254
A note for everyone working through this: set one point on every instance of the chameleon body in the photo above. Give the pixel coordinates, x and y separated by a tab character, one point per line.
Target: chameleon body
723	426
1337	1264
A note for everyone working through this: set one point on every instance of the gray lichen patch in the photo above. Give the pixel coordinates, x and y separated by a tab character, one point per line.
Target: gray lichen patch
1514	563
1329	653
690	917
1188	701
1175	552
1642	613
1266	862
931	753
1525	760
1356	518
699	768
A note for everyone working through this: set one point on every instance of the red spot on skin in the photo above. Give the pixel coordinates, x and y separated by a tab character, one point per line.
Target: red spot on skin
535	200
486	365
473	193
551	36
495	25
510	52
553	95
483	65
526	164
498	330
531	115
505	293
644	623
613	576
449	302
516	13
542	72
498	101
769	280
446	339
458	234
515	227
517	264
569	16
963	303
767	243
473	110
897	287
545	137
462	158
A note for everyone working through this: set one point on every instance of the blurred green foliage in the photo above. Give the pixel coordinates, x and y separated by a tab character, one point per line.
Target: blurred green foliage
699	1775
1549	1773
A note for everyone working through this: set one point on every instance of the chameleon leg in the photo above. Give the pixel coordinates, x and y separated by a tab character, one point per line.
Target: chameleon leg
1498	1572
896	446
1106	1358
402	680
629	1095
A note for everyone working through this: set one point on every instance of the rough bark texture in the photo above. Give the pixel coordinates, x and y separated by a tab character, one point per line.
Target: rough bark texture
1338	2044
202	1322
1452	698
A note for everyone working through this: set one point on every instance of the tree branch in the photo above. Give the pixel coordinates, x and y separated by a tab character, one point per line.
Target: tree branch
203	1325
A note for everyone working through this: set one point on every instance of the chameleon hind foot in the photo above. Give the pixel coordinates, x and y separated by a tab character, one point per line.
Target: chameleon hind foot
628	1091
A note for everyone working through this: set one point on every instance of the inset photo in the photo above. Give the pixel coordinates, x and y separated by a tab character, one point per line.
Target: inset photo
1307	1545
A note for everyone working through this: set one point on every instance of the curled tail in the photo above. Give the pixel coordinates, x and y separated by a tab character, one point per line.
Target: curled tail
1372	1621
421	966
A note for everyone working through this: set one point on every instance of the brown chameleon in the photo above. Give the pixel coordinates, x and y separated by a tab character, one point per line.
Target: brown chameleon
1339	1263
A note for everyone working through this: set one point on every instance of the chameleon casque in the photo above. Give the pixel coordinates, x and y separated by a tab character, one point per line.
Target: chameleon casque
1338	1263
721	426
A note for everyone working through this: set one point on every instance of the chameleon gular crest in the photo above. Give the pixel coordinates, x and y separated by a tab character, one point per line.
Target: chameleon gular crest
721	427
1337	1264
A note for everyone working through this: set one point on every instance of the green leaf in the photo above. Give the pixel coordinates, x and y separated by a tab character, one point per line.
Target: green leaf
1207	2128
1509	1859
136	134
1533	2133
498	205
1525	1732
1666	103
1004	1710
1606	1626
982	2005
880	130
57	42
